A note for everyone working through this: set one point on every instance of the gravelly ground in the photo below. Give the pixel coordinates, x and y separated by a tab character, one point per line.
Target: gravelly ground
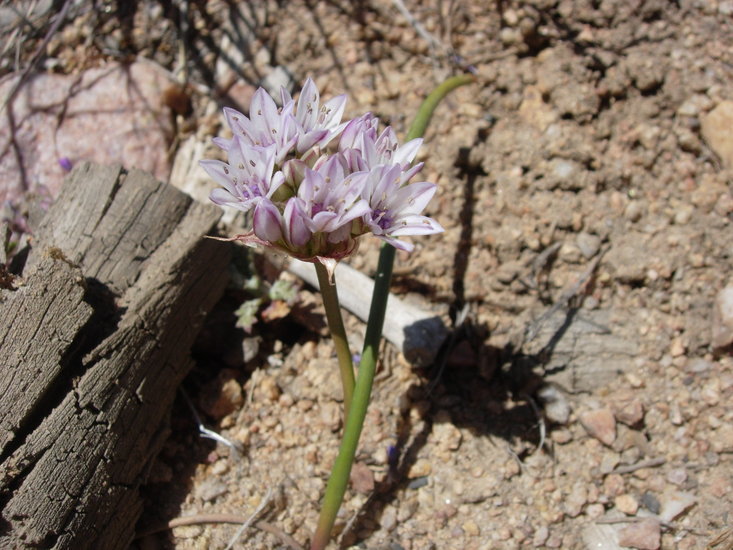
585	187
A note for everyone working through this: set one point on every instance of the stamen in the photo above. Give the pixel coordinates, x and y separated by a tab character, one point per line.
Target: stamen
252	163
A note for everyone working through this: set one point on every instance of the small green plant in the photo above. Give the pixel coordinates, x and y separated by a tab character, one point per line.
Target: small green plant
315	186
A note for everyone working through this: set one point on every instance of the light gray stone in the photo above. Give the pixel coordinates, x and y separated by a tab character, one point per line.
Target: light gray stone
723	318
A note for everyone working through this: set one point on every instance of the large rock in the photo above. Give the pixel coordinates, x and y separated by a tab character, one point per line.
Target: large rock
110	115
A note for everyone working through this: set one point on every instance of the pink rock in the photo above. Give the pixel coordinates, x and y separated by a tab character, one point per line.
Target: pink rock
112	114
600	424
644	535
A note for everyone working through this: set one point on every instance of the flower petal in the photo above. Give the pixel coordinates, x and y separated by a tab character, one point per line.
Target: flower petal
414	197
267	222
407	153
400	245
296	230
307	111
220	173
415	225
265	117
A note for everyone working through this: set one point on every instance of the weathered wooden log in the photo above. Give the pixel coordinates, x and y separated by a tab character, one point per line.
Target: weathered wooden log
93	346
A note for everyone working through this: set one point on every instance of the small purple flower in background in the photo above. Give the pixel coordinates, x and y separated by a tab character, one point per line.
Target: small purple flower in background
312	198
65	163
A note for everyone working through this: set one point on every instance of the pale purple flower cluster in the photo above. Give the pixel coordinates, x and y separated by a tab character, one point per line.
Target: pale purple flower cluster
315	183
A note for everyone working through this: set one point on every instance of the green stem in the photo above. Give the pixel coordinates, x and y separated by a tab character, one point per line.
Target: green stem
338	333
339	479
425	112
355	421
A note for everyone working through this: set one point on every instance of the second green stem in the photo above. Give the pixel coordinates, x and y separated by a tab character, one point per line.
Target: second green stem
338	333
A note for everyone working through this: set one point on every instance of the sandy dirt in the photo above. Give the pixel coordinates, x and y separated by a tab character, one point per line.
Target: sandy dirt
583	399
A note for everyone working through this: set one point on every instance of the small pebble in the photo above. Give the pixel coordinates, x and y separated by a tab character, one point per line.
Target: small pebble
677	348
362	478
614	485
588	244
723	318
634	211
573	504
627	504
471	529
723	440
673	503
220	467
643	535
609	461
210	489
650	502
630	412
561	436
698	366
541	535
388	520
557	408
716	131
421	468
677	476
600	424
221	396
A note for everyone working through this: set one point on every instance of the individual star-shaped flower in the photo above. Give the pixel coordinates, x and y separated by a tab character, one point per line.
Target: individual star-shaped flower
396	205
317	124
247	177
360	135
266	125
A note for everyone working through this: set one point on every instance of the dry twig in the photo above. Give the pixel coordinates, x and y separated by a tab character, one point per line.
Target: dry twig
199	519
265	502
235	446
651	463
